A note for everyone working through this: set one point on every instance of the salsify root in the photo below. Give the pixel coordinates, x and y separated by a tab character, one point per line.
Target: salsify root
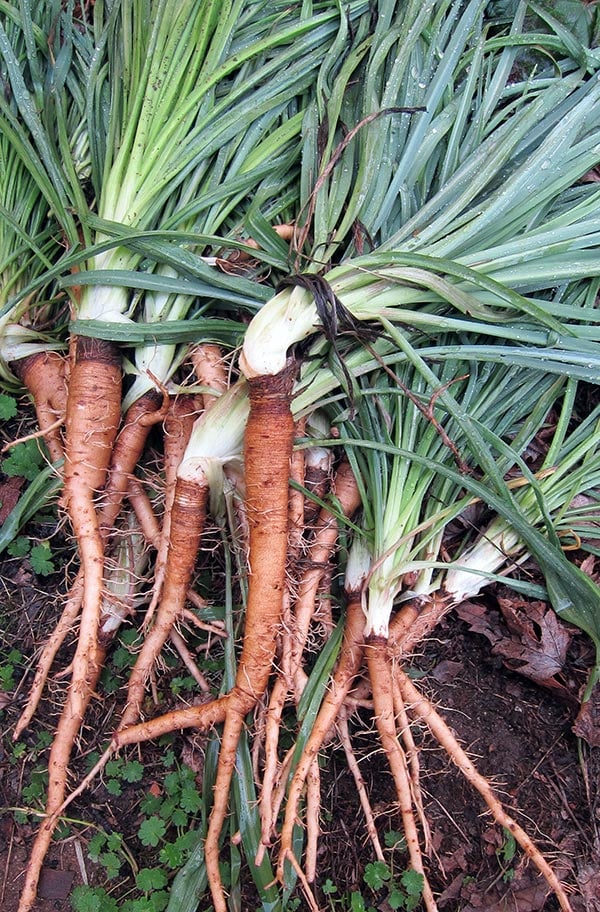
412	761
416	620
347	497
353	766
348	666
141	416
188	519
322	546
179	420
380	673
92	419
422	708
211	371
313	830
267	453
44	375
126	453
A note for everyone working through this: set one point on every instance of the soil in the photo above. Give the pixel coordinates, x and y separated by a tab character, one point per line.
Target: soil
520	732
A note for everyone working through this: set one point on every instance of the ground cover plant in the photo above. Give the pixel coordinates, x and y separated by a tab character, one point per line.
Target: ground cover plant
294	291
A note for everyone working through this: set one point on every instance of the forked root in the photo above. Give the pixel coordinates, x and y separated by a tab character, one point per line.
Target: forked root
45	376
321	550
346	671
189	514
380	672
422	708
267	453
125	456
92	418
64	626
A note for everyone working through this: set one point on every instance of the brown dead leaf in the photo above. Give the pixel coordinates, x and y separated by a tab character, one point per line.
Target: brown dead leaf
480	620
9	495
55	884
525	892
588	565
592	176
452	892
587	723
538	649
538	641
446	670
588	880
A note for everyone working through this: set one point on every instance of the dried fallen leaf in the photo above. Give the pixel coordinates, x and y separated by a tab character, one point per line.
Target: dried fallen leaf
55	884
480	620
587	723
588	880
446	670
10	491
538	648
538	641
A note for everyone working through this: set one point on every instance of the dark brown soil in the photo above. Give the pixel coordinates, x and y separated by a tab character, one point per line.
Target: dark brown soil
520	735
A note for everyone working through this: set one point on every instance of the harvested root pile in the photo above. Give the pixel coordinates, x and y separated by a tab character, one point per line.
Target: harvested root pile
320	427
294	601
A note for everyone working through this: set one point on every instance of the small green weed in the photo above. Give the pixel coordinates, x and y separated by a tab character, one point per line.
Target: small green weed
40	556
121	659
166	825
9	665
27	460
30	756
8	407
180	684
506	856
397	891
92	899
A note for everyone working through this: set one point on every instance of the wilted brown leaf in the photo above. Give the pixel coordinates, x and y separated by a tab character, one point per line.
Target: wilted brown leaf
538	648
587	723
9	495
538	641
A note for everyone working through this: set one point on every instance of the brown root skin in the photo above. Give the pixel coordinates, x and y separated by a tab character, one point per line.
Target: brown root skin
380	673
201	717
187	525
45	376
268	448
345	489
179	421
317	482
422	708
93	416
144	512
211	371
126	455
267	452
351	654
416	620
92	419
347	496
145	412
